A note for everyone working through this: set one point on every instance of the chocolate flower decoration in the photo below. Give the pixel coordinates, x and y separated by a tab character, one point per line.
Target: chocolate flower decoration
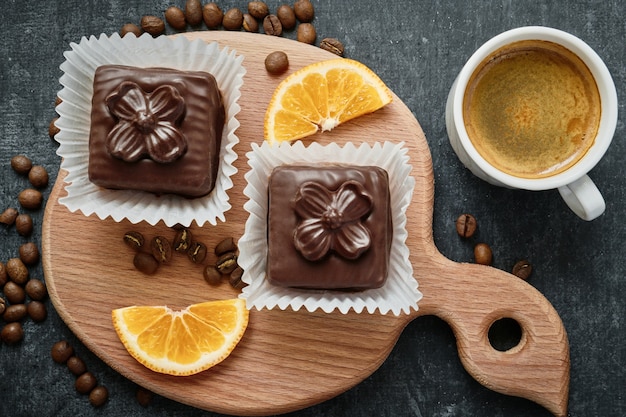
331	221
146	123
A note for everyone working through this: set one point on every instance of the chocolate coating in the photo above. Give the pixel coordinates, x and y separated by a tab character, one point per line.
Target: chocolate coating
286	265
193	169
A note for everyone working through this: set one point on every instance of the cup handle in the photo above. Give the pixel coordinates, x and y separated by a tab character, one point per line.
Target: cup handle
583	198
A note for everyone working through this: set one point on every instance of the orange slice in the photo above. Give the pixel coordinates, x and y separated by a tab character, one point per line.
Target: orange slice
181	342
321	96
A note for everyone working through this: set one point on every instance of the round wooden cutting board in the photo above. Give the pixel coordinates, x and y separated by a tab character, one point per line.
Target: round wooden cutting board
290	360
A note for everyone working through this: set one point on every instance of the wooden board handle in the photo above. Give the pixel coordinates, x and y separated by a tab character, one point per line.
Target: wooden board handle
470	298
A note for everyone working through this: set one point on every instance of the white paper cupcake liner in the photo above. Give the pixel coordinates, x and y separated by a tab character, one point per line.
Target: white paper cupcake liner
75	119
400	292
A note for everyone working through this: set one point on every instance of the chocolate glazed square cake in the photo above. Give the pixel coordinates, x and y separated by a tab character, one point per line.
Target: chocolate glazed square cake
155	129
329	227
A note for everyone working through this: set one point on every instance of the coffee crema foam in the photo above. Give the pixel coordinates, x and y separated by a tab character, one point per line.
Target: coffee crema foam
532	109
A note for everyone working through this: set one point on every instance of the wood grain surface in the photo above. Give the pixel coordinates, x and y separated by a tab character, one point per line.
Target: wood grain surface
290	360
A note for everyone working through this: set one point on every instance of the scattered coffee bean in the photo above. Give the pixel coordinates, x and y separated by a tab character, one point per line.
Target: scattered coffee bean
38	176
24	224
143	396
211	275
30	198
483	254
235	278
134	240
12	333
76	365
17	271
522	269
61	351
212	15
29	253
15	312
227	263
52	128
333	45
175	17
197	252
272	25
233	19
304	10
21	164
130	28
225	245
193	12
154	25
286	16
258	9
8	216
85	383
14	293
36	289
3	306
161	249
277	62
182	240
306	33
37	311
250	24
466	225
98	396
145	262
4	277
57	101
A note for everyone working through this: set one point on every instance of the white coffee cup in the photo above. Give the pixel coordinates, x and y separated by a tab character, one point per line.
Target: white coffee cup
574	185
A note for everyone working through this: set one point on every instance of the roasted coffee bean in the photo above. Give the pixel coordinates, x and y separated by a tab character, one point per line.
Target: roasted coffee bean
306	33
4	277
235	278
250	24
52	128
197	252
21	164
211	275
212	15
333	45
30	198
17	271
29	253
8	216
143	396
24	224
182	240
3	306
193	12
76	365
37	311
258	9
226	263
98	396
286	16
161	249
85	383
304	10
272	25
129	28
145	262
466	225
233	19
522	269
483	254
12	333
225	245
175	17
14	293
61	351
36	289
276	62
134	240
38	176
15	312
153	25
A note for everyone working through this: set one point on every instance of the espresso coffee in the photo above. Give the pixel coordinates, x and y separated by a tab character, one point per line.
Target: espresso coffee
532	109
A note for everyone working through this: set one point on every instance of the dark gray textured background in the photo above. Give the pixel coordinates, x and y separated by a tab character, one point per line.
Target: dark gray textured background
417	48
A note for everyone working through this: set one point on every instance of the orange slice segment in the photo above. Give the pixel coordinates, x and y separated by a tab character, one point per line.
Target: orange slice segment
321	96
181	342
